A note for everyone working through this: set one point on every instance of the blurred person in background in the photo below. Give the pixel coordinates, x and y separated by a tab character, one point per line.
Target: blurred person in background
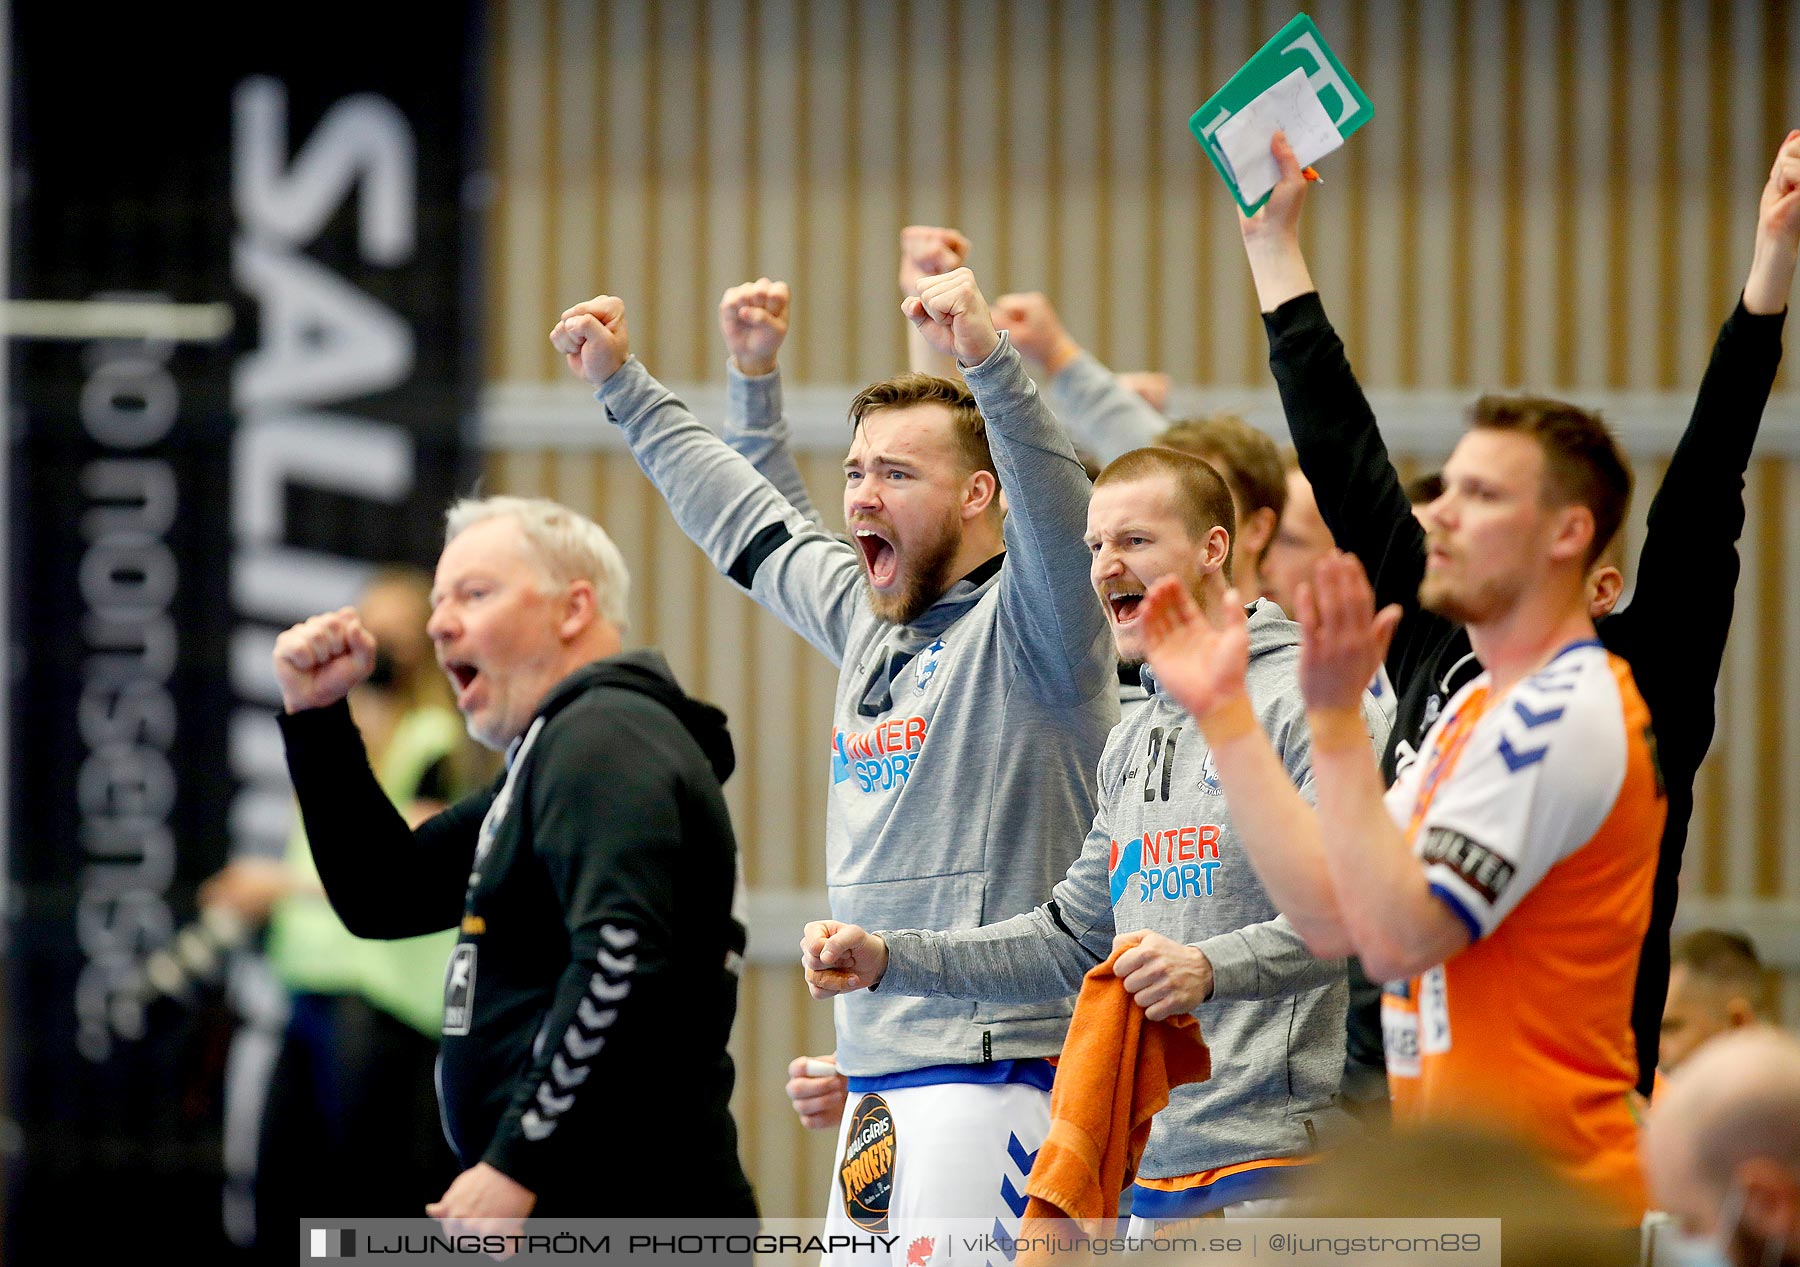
347	1114
1722	1153
1301	540
1251	466
1716	984
1456	1171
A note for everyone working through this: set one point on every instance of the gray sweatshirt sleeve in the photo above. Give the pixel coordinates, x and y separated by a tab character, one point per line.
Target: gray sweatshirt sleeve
756	426
1025	959
1052	628
1040	954
1105	418
1265	961
752	534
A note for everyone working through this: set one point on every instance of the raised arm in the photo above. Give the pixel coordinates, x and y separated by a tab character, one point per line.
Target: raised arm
384	879
1688	571
928	250
1102	414
1052	626
1335	434
754	319
752	534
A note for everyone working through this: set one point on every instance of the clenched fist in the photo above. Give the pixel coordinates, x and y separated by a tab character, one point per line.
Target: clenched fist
952	315
753	318
840	958
592	338
318	661
929	251
1036	331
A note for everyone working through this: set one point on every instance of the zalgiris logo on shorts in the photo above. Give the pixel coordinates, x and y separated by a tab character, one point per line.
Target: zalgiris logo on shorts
866	1171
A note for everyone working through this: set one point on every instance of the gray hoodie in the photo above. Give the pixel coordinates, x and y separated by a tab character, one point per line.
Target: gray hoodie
964	744
1163	855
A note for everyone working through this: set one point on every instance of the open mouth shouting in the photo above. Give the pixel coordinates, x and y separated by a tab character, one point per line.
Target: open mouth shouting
880	560
463	677
1122	606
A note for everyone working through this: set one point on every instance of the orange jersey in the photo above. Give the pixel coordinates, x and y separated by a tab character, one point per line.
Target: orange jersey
1536	815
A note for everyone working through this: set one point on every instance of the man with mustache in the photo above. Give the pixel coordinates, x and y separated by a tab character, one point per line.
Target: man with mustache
975	695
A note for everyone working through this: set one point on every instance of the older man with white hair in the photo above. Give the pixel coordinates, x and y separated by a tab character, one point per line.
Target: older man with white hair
1722	1152
592	883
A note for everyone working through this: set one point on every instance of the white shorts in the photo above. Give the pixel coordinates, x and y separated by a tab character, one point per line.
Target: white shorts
910	1155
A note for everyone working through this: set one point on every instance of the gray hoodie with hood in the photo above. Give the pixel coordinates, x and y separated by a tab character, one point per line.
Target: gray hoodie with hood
1163	855
963	744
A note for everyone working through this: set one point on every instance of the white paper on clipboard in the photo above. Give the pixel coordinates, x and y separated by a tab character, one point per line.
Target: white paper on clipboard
1289	106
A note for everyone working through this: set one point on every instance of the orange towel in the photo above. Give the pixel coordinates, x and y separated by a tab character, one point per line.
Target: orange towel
1116	1072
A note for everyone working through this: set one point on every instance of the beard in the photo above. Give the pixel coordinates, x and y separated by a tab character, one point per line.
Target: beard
1466	607
483	736
920	582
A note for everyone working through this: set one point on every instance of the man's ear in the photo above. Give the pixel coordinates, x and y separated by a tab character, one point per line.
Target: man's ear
1255	531
979	493
1605	584
1215	548
579	609
1574	533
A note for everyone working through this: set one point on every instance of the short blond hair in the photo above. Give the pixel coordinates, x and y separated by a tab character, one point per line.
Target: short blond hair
566	546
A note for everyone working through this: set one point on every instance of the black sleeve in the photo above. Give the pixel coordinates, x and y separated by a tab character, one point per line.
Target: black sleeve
383	879
1688	571
1359	493
435	783
605	801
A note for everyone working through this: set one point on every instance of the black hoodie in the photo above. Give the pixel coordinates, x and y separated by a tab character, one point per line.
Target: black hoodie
592	990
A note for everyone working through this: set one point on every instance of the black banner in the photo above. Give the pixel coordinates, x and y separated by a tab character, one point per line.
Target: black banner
178	496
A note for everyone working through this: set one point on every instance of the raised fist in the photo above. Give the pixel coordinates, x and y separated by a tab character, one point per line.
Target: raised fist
1778	216
1773	262
318	661
592	338
928	251
1036	331
753	318
952	316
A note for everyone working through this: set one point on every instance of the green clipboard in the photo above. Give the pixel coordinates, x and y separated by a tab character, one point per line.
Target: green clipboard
1297	46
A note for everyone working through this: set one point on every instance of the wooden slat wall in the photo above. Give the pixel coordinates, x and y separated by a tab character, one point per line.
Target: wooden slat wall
1557	194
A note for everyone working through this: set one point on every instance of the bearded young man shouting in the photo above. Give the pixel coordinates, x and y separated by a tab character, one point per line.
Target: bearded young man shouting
975	695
